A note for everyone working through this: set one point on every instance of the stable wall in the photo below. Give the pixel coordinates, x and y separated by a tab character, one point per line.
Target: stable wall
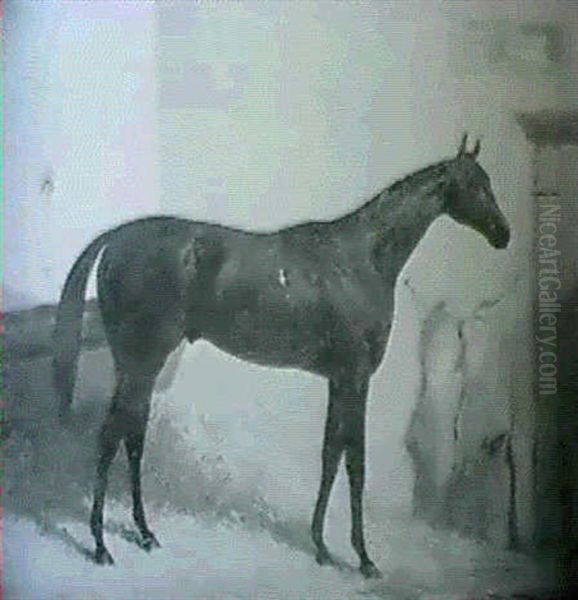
80	122
275	113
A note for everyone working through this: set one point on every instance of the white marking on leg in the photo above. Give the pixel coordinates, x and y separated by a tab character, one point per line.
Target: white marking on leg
283	277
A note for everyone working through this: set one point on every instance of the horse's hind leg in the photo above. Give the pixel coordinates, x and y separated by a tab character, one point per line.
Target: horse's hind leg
134	443
126	419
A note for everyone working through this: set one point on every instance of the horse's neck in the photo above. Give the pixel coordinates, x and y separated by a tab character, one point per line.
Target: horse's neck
400	216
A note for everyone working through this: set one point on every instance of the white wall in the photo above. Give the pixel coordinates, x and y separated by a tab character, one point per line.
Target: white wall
79	105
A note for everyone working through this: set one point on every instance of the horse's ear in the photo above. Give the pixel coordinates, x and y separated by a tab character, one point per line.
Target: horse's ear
462	150
476	150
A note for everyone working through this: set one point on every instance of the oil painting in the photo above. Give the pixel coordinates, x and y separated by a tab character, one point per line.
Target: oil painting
290	300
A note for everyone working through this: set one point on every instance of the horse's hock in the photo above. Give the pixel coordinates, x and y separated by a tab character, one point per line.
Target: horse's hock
459	436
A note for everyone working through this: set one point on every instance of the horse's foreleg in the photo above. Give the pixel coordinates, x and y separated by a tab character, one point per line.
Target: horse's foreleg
331	455
354	436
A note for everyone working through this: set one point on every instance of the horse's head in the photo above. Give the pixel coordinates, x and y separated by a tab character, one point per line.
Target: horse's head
469	198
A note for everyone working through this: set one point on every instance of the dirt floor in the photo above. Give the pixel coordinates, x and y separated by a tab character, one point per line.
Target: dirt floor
232	523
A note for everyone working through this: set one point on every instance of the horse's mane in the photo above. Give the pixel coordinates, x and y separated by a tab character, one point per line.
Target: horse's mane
399	186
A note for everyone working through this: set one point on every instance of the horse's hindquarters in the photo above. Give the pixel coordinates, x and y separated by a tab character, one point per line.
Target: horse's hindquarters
141	295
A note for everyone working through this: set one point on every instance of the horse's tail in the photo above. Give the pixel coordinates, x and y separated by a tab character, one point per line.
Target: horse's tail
68	327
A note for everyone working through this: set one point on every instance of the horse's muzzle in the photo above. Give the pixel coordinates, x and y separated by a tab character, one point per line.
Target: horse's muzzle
500	238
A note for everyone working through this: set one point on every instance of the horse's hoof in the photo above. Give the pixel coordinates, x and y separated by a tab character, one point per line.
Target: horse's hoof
102	557
324	558
370	571
149	541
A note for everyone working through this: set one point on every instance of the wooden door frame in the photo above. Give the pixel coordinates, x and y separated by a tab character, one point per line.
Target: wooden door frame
554	129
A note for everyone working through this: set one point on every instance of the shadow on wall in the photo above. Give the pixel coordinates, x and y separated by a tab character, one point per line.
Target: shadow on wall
459	435
50	470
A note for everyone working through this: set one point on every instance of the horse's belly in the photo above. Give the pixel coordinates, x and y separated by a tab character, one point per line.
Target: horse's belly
289	323
279	341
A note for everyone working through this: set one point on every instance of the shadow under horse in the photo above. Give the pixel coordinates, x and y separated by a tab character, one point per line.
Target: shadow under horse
318	296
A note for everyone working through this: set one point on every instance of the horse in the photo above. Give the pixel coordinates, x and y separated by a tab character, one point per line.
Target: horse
317	297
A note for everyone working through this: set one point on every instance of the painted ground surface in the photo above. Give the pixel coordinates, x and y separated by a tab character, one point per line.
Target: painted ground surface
229	486
202	558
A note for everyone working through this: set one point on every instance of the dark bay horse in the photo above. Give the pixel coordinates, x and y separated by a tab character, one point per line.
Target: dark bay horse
317	297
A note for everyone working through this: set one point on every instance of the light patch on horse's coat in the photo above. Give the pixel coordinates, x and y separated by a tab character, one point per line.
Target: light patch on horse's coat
188	257
283	277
